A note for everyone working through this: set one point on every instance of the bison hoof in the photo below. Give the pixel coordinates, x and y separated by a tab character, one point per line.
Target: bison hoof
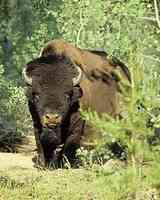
38	162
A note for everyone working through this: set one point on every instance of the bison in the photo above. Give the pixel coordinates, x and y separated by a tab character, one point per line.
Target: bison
59	82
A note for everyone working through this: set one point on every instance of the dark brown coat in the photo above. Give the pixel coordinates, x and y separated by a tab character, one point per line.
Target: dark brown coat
54	100
99	83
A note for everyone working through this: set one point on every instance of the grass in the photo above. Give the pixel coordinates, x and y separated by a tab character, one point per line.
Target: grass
111	182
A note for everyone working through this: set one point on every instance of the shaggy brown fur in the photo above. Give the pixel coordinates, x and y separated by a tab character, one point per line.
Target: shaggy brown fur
52	92
100	85
87	60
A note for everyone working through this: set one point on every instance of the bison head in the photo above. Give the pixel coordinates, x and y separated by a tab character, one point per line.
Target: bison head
53	90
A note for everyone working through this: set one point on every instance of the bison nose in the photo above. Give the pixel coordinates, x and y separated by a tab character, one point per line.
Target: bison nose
51	119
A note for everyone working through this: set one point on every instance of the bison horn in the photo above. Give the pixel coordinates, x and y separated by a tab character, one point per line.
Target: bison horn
27	79
77	79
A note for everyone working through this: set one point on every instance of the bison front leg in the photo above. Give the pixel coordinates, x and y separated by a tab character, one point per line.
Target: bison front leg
51	140
40	160
73	141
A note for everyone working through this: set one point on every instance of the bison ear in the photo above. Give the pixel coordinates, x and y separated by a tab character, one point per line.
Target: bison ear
77	93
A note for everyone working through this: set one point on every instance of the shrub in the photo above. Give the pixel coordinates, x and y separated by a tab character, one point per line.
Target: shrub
15	120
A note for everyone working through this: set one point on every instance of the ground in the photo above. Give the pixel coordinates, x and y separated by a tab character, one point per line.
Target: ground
19	180
23	159
15	160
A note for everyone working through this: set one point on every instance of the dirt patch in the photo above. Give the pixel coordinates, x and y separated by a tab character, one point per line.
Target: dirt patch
15	160
27	145
23	159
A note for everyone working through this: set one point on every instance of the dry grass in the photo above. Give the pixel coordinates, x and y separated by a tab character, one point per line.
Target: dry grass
20	181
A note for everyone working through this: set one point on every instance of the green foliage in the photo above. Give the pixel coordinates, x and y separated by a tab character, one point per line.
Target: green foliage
14	116
80	22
